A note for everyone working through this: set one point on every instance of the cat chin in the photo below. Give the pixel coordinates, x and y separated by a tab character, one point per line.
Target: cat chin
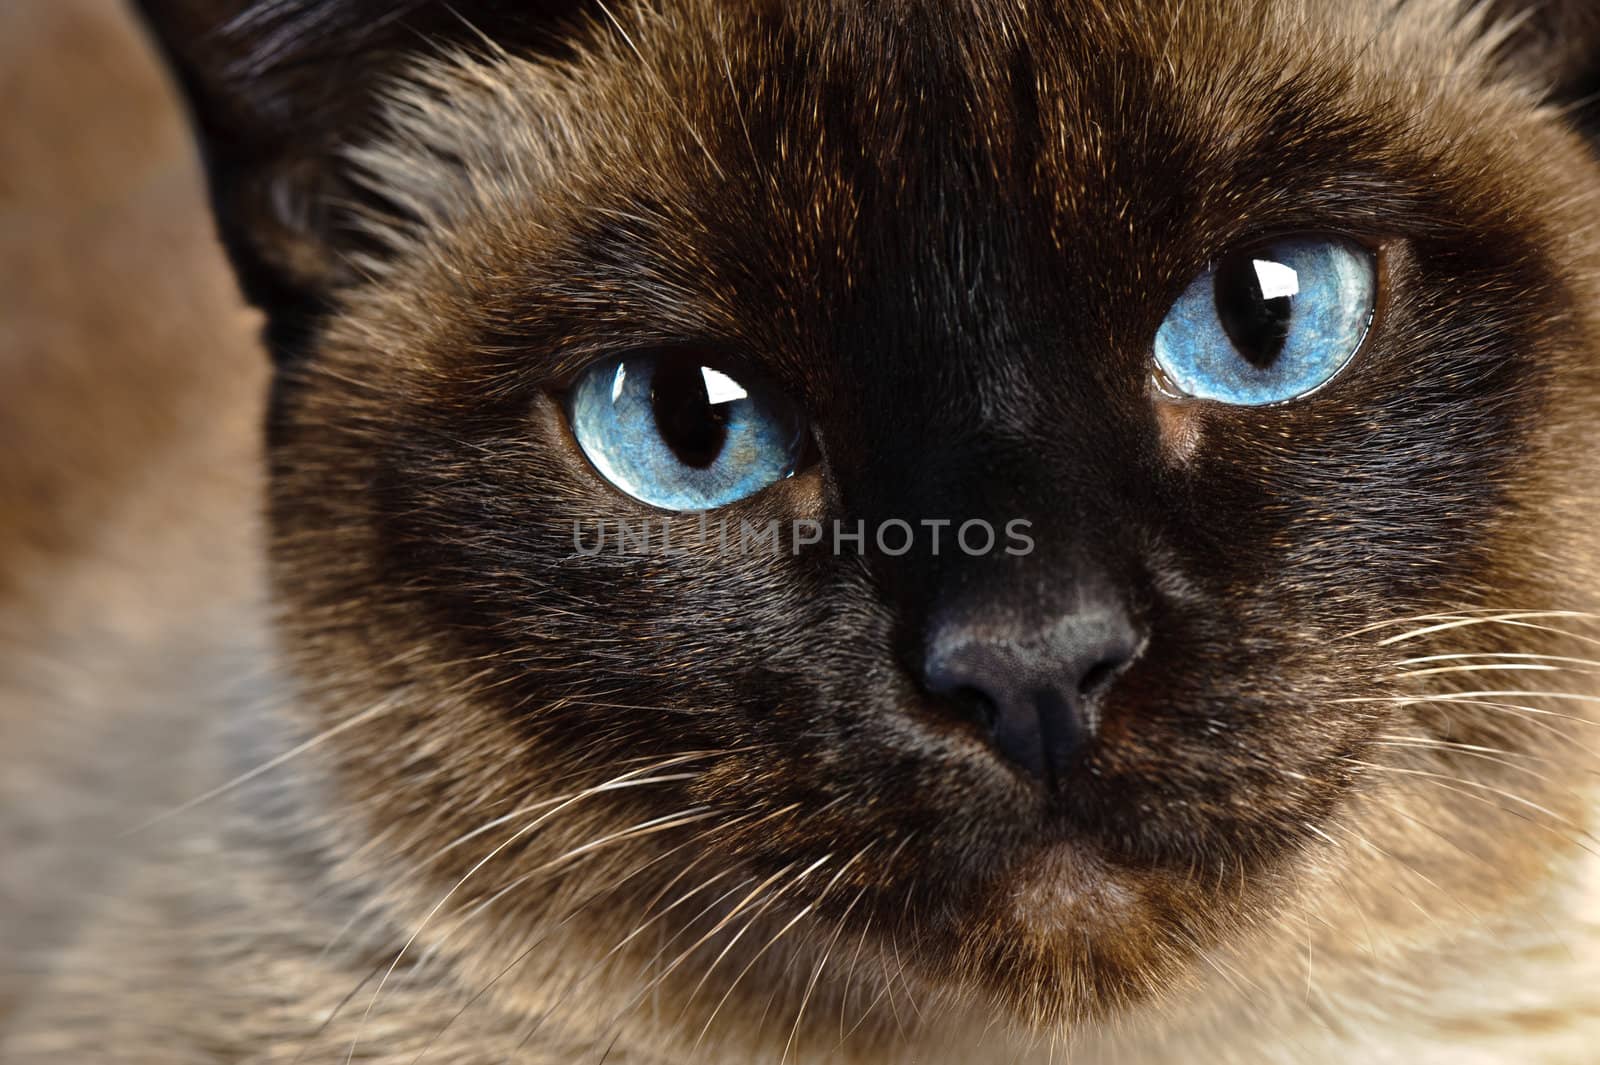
1067	937
1067	890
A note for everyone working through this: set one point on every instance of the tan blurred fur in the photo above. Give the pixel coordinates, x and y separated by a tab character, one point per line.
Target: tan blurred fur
130	385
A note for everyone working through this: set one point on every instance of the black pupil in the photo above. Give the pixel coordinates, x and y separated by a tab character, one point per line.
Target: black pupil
1257	325
690	424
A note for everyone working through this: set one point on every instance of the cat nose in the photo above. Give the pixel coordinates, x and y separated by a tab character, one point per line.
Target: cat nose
1034	689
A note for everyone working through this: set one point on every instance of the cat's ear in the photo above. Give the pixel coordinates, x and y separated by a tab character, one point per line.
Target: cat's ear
277	88
1557	43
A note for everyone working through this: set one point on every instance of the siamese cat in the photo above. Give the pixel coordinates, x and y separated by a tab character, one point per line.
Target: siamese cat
884	532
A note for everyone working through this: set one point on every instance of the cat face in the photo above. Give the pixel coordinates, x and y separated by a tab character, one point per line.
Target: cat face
1255	336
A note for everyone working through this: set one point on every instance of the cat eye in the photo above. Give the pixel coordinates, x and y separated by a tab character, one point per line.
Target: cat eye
1269	323
681	432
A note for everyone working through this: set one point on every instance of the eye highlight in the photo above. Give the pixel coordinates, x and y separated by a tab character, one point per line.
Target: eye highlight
1269	323
679	432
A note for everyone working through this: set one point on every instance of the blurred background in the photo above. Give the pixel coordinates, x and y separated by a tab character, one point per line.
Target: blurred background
130	391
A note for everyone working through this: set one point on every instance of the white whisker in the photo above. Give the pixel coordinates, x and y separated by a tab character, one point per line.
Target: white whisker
1458	784
827	952
1522	620
625	780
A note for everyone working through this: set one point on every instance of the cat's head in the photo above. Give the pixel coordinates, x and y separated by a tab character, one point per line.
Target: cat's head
1247	349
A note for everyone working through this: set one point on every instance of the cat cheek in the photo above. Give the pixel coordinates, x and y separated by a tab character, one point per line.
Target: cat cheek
1180	426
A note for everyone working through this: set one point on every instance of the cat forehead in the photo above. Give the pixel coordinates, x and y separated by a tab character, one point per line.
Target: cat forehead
694	92
903	58
699	161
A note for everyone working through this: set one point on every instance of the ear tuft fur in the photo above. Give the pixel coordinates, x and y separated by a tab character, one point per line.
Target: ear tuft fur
1557	43
278	89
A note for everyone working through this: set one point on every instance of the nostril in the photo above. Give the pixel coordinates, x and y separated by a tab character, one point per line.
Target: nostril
975	705
1099	676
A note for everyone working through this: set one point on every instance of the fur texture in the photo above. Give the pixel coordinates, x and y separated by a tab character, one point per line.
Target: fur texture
492	801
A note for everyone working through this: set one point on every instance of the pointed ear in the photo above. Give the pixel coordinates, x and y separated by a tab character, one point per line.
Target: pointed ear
276	89
1557	42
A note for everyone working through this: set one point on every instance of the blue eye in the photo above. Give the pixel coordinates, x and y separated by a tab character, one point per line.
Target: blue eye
676	432
1269	323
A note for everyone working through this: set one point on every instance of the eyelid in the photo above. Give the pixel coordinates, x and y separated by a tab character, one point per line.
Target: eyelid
717	354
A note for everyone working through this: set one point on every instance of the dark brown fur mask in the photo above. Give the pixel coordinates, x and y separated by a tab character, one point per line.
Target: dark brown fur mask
1189	723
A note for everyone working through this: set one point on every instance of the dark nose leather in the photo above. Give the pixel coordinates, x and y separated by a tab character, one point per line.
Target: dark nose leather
1033	687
